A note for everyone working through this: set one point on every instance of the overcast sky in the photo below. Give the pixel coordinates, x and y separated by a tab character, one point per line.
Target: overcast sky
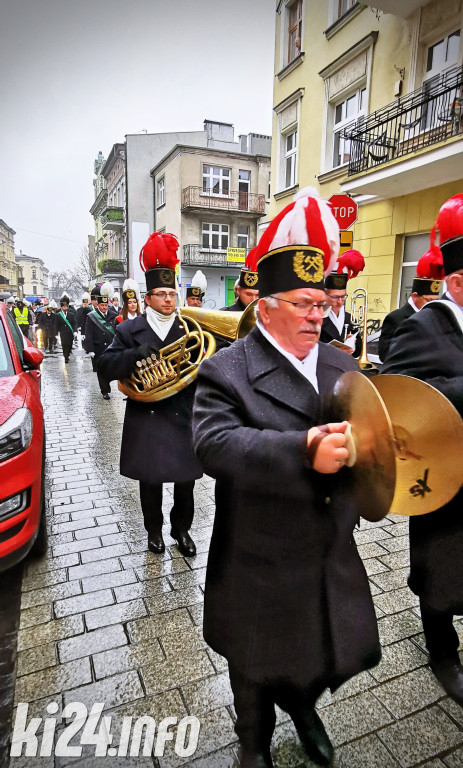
77	75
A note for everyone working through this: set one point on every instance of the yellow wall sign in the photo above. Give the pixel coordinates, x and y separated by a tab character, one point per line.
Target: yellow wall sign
236	254
346	240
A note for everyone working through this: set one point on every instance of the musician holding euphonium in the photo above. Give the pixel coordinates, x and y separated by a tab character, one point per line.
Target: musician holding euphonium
156	440
429	346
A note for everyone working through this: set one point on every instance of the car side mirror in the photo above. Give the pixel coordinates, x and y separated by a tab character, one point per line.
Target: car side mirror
32	357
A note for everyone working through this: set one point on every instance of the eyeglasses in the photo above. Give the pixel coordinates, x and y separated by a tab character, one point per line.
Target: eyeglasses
337	298
163	295
305	307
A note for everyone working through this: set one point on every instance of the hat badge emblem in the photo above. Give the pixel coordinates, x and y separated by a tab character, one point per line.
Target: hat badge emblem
308	266
250	279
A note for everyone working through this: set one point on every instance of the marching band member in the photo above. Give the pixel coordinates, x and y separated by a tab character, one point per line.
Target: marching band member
195	292
130	301
429	346
287	600
156	439
338	323
425	287
99	333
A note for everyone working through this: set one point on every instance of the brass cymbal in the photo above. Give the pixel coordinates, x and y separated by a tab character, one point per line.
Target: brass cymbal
372	478
428	434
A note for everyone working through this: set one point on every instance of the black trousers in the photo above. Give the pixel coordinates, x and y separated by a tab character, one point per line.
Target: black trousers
255	708
441	636
66	344
181	514
105	386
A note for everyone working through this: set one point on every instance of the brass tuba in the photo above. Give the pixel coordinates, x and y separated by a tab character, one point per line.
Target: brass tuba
175	366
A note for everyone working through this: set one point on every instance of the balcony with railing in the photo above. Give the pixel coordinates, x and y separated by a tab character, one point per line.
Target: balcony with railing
402	132
197	256
240	202
112	218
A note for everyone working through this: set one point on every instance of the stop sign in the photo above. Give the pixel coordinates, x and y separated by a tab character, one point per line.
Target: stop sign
344	210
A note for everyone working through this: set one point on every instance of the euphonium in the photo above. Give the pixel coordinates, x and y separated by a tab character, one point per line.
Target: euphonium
175	366
359	311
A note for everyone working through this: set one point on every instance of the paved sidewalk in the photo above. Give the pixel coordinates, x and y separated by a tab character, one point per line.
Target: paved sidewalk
104	620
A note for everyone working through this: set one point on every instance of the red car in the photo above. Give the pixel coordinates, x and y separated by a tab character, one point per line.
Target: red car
22	446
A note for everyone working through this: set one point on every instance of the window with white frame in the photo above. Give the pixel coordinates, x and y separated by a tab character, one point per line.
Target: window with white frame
294	29
34	274
216	180
161	192
290	159
441	62
345	114
287	148
242	239
215	237
343	6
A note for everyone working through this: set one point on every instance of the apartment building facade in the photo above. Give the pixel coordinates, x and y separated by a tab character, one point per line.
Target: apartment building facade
98	209
212	198
367	101
11	279
35	276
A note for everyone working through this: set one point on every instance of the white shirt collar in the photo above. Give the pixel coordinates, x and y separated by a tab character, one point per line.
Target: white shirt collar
307	367
338	320
413	305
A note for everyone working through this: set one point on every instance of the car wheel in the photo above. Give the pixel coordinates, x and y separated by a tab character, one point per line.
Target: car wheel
40	545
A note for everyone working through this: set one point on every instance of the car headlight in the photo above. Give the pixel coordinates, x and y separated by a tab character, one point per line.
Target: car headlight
15	434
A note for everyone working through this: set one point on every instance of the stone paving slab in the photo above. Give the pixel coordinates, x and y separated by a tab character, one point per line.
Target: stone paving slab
103	619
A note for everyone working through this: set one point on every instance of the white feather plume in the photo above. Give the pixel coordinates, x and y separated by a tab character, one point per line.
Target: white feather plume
85	296
107	290
131	285
292	229
199	281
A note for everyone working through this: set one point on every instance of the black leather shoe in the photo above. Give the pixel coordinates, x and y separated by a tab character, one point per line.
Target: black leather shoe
251	759
314	738
106	396
156	544
185	543
449	672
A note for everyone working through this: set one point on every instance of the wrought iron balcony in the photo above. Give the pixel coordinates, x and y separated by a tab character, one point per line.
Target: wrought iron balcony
242	202
196	255
431	114
113	218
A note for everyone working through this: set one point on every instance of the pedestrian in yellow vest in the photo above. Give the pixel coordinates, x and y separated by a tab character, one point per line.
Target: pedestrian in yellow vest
22	315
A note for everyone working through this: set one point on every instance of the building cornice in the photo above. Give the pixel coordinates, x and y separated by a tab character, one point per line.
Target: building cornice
192	150
294	96
355	50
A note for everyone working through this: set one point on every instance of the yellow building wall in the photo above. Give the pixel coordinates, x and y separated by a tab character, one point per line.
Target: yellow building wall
379	235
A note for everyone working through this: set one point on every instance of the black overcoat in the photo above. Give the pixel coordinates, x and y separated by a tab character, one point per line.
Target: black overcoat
61	327
286	595
429	346
330	332
97	338
391	322
238	306
156	439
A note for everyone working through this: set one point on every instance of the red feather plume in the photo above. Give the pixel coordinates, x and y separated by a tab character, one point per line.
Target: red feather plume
251	259
431	264
160	250
449	222
353	261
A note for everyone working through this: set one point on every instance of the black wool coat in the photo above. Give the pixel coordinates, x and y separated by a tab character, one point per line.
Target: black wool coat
286	597
429	346
156	439
391	322
238	306
61	327
97	338
330	332
81	315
